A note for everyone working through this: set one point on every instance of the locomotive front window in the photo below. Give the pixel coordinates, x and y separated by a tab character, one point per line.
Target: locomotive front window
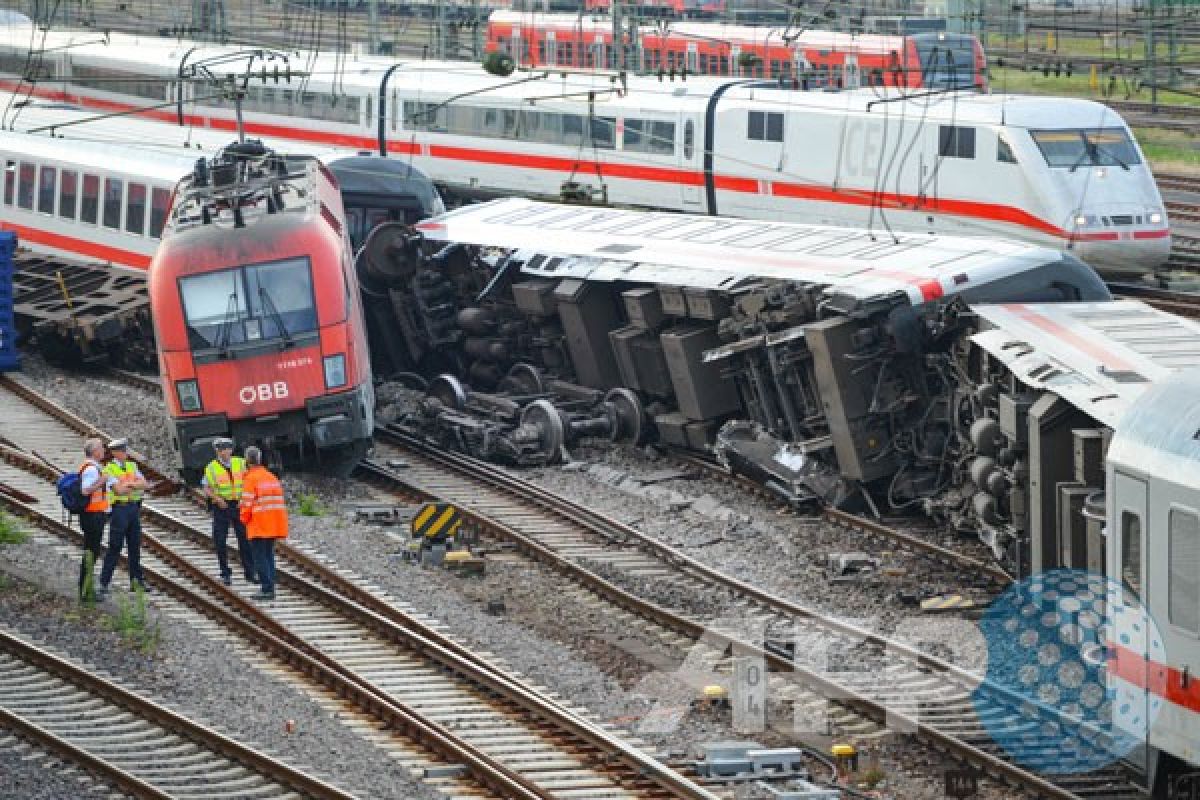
236	309
1102	147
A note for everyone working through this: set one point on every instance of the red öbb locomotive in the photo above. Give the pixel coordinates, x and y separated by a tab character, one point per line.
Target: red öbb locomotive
258	316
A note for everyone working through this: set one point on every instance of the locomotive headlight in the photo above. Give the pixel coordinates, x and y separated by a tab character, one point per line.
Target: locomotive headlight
1080	221
1155	218
189	395
335	371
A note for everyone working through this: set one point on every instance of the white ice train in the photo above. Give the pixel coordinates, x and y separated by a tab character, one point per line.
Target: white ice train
100	188
1059	172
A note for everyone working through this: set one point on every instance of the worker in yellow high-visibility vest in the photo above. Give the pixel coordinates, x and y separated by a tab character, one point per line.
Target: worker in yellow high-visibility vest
222	484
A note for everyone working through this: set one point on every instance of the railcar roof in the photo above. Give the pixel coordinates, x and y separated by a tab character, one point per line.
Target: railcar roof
362	74
1100	357
1160	434
100	156
722	253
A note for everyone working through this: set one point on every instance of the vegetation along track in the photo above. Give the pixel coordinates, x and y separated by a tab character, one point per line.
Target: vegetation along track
133	743
352	640
943	704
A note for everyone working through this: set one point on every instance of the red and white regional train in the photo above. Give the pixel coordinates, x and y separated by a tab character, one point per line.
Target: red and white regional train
812	58
257	313
1059	172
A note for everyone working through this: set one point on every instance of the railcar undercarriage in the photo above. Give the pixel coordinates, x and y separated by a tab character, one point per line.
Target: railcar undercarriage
824	398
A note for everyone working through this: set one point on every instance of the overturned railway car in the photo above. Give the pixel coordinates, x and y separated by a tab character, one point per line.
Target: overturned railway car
995	386
973	380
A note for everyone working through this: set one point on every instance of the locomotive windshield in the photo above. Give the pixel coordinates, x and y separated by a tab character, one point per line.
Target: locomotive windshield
947	59
236	311
1099	147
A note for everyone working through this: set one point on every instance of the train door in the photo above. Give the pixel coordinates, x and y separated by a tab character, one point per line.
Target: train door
551	45
693	58
1129	564
850	73
516	49
690	160
599	59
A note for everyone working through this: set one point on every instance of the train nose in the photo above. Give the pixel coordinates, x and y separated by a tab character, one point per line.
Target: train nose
1122	240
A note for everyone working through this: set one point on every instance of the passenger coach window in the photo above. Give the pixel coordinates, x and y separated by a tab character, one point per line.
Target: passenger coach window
68	194
25	186
689	136
113	189
1131	552
46	181
160	202
91	199
135	209
956	142
764	126
1183	566
648	136
10	181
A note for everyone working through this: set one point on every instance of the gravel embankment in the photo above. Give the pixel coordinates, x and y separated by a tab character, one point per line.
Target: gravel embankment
574	648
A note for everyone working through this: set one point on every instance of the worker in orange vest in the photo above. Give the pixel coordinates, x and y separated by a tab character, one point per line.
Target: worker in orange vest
94	486
263	511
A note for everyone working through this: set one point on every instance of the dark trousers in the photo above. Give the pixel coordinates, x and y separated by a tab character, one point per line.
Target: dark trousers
222	519
92	525
264	559
124	526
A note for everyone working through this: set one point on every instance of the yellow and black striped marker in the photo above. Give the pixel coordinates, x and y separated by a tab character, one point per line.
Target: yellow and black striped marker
436	521
948	602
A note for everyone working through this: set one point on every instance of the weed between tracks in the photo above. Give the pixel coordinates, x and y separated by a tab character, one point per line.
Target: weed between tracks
11	531
133	622
311	506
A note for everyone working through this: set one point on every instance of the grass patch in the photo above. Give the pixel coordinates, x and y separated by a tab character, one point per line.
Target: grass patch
310	505
1169	150
1079	84
11	531
133	623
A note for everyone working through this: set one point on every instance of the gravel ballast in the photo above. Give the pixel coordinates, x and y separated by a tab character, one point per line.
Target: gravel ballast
545	632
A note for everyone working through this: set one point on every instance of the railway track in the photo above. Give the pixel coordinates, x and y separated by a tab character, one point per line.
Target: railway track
350	638
944	705
131	742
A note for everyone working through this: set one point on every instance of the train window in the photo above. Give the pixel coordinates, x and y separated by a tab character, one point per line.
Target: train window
135	208
113	189
603	132
46	180
1079	148
1131	552
1183	565
160	203
955	141
650	136
247	305
572	129
764	126
10	181
68	194
689	136
25	186
90	206
1004	152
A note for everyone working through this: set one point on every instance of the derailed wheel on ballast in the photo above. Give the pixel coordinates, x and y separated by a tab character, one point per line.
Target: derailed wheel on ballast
523	379
541	416
626	416
449	391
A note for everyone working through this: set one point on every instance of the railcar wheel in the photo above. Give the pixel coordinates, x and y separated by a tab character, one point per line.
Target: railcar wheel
448	390
524	379
542	416
626	415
